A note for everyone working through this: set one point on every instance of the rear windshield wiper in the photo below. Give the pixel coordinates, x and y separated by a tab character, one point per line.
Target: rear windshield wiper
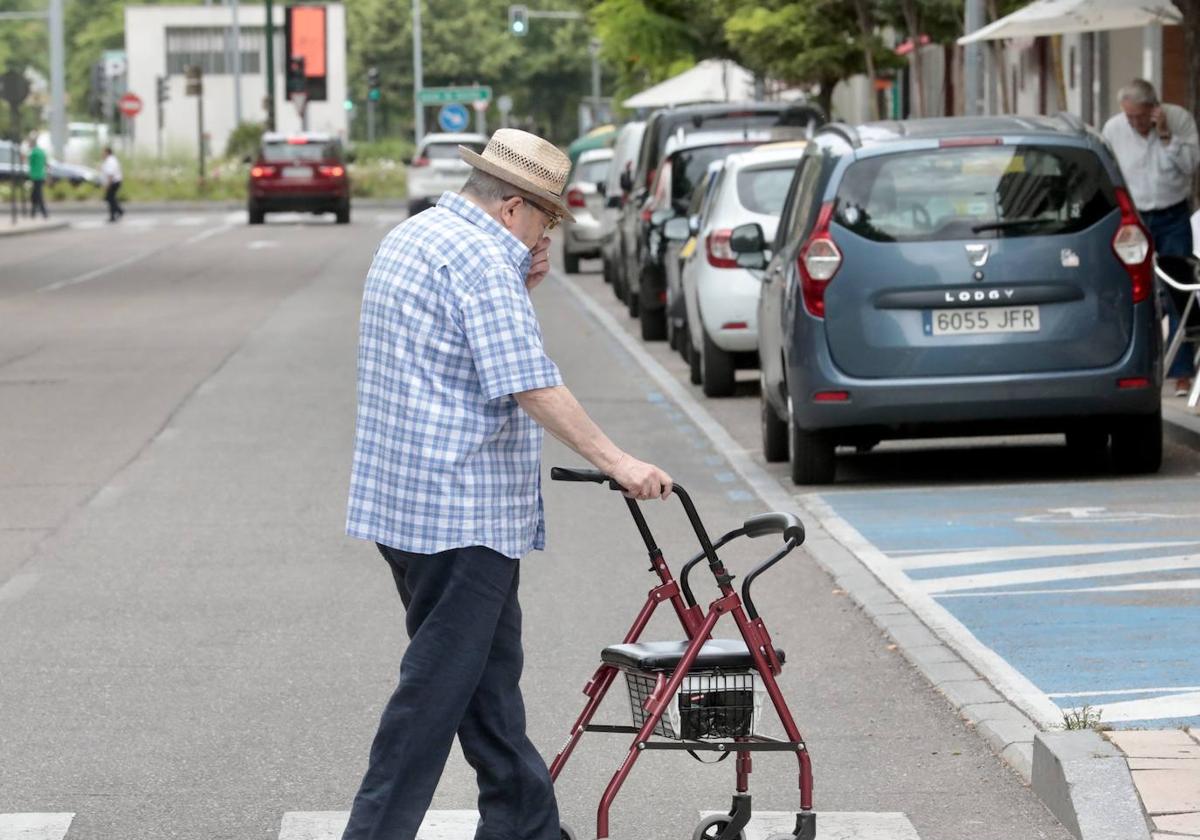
1011	223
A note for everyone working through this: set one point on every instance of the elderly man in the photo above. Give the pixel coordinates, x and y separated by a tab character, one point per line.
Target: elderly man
1158	150
454	388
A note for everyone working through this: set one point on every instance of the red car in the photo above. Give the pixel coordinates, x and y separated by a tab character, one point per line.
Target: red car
299	172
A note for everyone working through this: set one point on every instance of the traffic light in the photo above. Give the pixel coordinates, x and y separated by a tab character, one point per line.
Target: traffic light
373	84
296	80
161	91
518	20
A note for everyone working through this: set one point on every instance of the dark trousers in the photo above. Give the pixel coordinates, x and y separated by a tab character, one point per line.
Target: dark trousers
37	199
460	675
1171	230
114	205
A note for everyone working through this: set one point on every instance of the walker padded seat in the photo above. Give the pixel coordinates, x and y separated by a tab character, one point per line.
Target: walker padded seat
665	656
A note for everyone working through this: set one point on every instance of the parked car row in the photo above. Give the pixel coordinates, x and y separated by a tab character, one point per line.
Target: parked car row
14	168
926	278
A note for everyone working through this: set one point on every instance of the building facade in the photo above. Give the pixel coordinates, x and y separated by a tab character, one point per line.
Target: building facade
164	40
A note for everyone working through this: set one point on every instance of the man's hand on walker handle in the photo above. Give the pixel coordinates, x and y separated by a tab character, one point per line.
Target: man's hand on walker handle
641	480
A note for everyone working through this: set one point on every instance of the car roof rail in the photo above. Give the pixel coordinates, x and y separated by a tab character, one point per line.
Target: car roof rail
847	132
1073	122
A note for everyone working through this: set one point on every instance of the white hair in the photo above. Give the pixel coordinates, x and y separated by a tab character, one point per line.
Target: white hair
1139	92
488	187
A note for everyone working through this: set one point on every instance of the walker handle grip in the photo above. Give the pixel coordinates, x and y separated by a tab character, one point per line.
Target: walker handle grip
570	474
775	523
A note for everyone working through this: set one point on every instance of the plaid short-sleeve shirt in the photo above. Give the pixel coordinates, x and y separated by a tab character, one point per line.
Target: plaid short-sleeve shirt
443	455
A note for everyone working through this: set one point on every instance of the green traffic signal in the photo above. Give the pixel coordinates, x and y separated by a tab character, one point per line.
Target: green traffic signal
373	94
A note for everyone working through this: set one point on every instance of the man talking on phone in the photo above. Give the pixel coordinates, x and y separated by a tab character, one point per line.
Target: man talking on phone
1156	145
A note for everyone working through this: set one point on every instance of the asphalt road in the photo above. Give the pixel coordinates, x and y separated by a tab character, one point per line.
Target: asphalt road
190	648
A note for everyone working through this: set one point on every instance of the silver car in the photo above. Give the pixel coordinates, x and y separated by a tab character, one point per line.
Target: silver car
437	168
585	197
616	193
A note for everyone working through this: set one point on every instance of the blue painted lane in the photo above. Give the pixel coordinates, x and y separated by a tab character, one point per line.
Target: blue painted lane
1091	591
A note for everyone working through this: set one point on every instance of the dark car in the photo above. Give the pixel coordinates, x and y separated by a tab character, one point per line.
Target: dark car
951	277
299	172
669	122
686	159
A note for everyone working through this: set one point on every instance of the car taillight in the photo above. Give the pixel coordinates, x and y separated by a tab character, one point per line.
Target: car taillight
1133	248
262	172
575	198
819	259
647	212
419	162
720	254
331	171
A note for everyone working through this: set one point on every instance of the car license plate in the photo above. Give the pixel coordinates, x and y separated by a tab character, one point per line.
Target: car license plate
297	172
998	319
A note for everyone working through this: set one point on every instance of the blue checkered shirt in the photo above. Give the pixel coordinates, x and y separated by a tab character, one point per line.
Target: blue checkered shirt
443	456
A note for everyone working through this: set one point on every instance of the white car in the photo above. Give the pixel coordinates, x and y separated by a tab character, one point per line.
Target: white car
722	298
437	168
582	237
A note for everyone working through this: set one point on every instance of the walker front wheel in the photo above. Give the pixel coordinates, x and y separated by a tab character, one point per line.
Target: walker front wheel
711	828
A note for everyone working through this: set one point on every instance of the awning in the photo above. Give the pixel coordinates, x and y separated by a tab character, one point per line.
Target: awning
714	80
1059	17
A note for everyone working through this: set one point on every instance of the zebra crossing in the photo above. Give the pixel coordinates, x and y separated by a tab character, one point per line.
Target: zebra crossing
460	825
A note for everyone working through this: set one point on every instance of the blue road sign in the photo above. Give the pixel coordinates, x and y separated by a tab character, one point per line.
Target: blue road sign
453	117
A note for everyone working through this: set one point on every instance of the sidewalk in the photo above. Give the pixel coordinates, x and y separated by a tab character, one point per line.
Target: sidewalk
1165	765
23	226
1180	423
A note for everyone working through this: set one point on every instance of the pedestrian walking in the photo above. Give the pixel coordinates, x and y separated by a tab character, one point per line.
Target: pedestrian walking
454	390
1157	147
37	178
111	170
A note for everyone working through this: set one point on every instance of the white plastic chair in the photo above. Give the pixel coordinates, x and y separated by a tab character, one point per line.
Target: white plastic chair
1192	290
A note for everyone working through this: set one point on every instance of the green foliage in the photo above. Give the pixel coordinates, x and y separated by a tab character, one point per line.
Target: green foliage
244	140
393	149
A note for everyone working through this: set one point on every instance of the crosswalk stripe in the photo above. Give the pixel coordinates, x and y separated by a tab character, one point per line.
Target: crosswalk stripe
34	826
969	557
832	825
460	825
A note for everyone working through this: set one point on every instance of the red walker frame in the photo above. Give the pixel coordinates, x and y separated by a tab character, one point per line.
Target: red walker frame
698	625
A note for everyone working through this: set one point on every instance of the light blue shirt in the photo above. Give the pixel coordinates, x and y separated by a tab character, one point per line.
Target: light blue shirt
443	455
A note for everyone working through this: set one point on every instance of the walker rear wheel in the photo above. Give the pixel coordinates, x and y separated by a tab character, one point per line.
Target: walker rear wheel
711	827
567	833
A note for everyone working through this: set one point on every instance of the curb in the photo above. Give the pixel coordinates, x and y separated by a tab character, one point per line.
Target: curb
23	230
1085	782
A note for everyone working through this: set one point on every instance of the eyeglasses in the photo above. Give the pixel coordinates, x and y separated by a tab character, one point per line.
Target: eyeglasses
553	218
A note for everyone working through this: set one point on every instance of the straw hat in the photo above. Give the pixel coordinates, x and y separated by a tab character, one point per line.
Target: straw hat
531	164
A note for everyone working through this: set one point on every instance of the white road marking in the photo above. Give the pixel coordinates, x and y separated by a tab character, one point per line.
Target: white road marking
15	587
1151	586
88	224
34	826
109	269
1154	708
262	244
1007	679
832	825
1090	515
967	557
329	825
1119	691
189	221
461	825
1075	572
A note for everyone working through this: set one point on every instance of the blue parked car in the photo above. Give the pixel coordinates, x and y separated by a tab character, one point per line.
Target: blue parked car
957	276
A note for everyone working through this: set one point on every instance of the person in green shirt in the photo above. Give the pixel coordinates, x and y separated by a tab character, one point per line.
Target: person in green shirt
37	175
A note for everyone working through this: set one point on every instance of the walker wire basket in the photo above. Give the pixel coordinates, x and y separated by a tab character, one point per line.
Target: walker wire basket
709	705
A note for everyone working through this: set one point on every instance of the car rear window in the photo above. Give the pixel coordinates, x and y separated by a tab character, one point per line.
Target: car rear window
691	164
300	152
591	172
448	151
975	192
763	189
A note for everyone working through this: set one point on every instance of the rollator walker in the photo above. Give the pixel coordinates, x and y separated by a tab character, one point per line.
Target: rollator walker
700	694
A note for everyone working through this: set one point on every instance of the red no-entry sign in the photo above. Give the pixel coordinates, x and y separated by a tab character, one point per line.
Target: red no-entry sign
130	104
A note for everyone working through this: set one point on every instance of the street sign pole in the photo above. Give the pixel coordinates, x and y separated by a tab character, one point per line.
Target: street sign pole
58	75
237	66
270	69
370	120
418	77
973	61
